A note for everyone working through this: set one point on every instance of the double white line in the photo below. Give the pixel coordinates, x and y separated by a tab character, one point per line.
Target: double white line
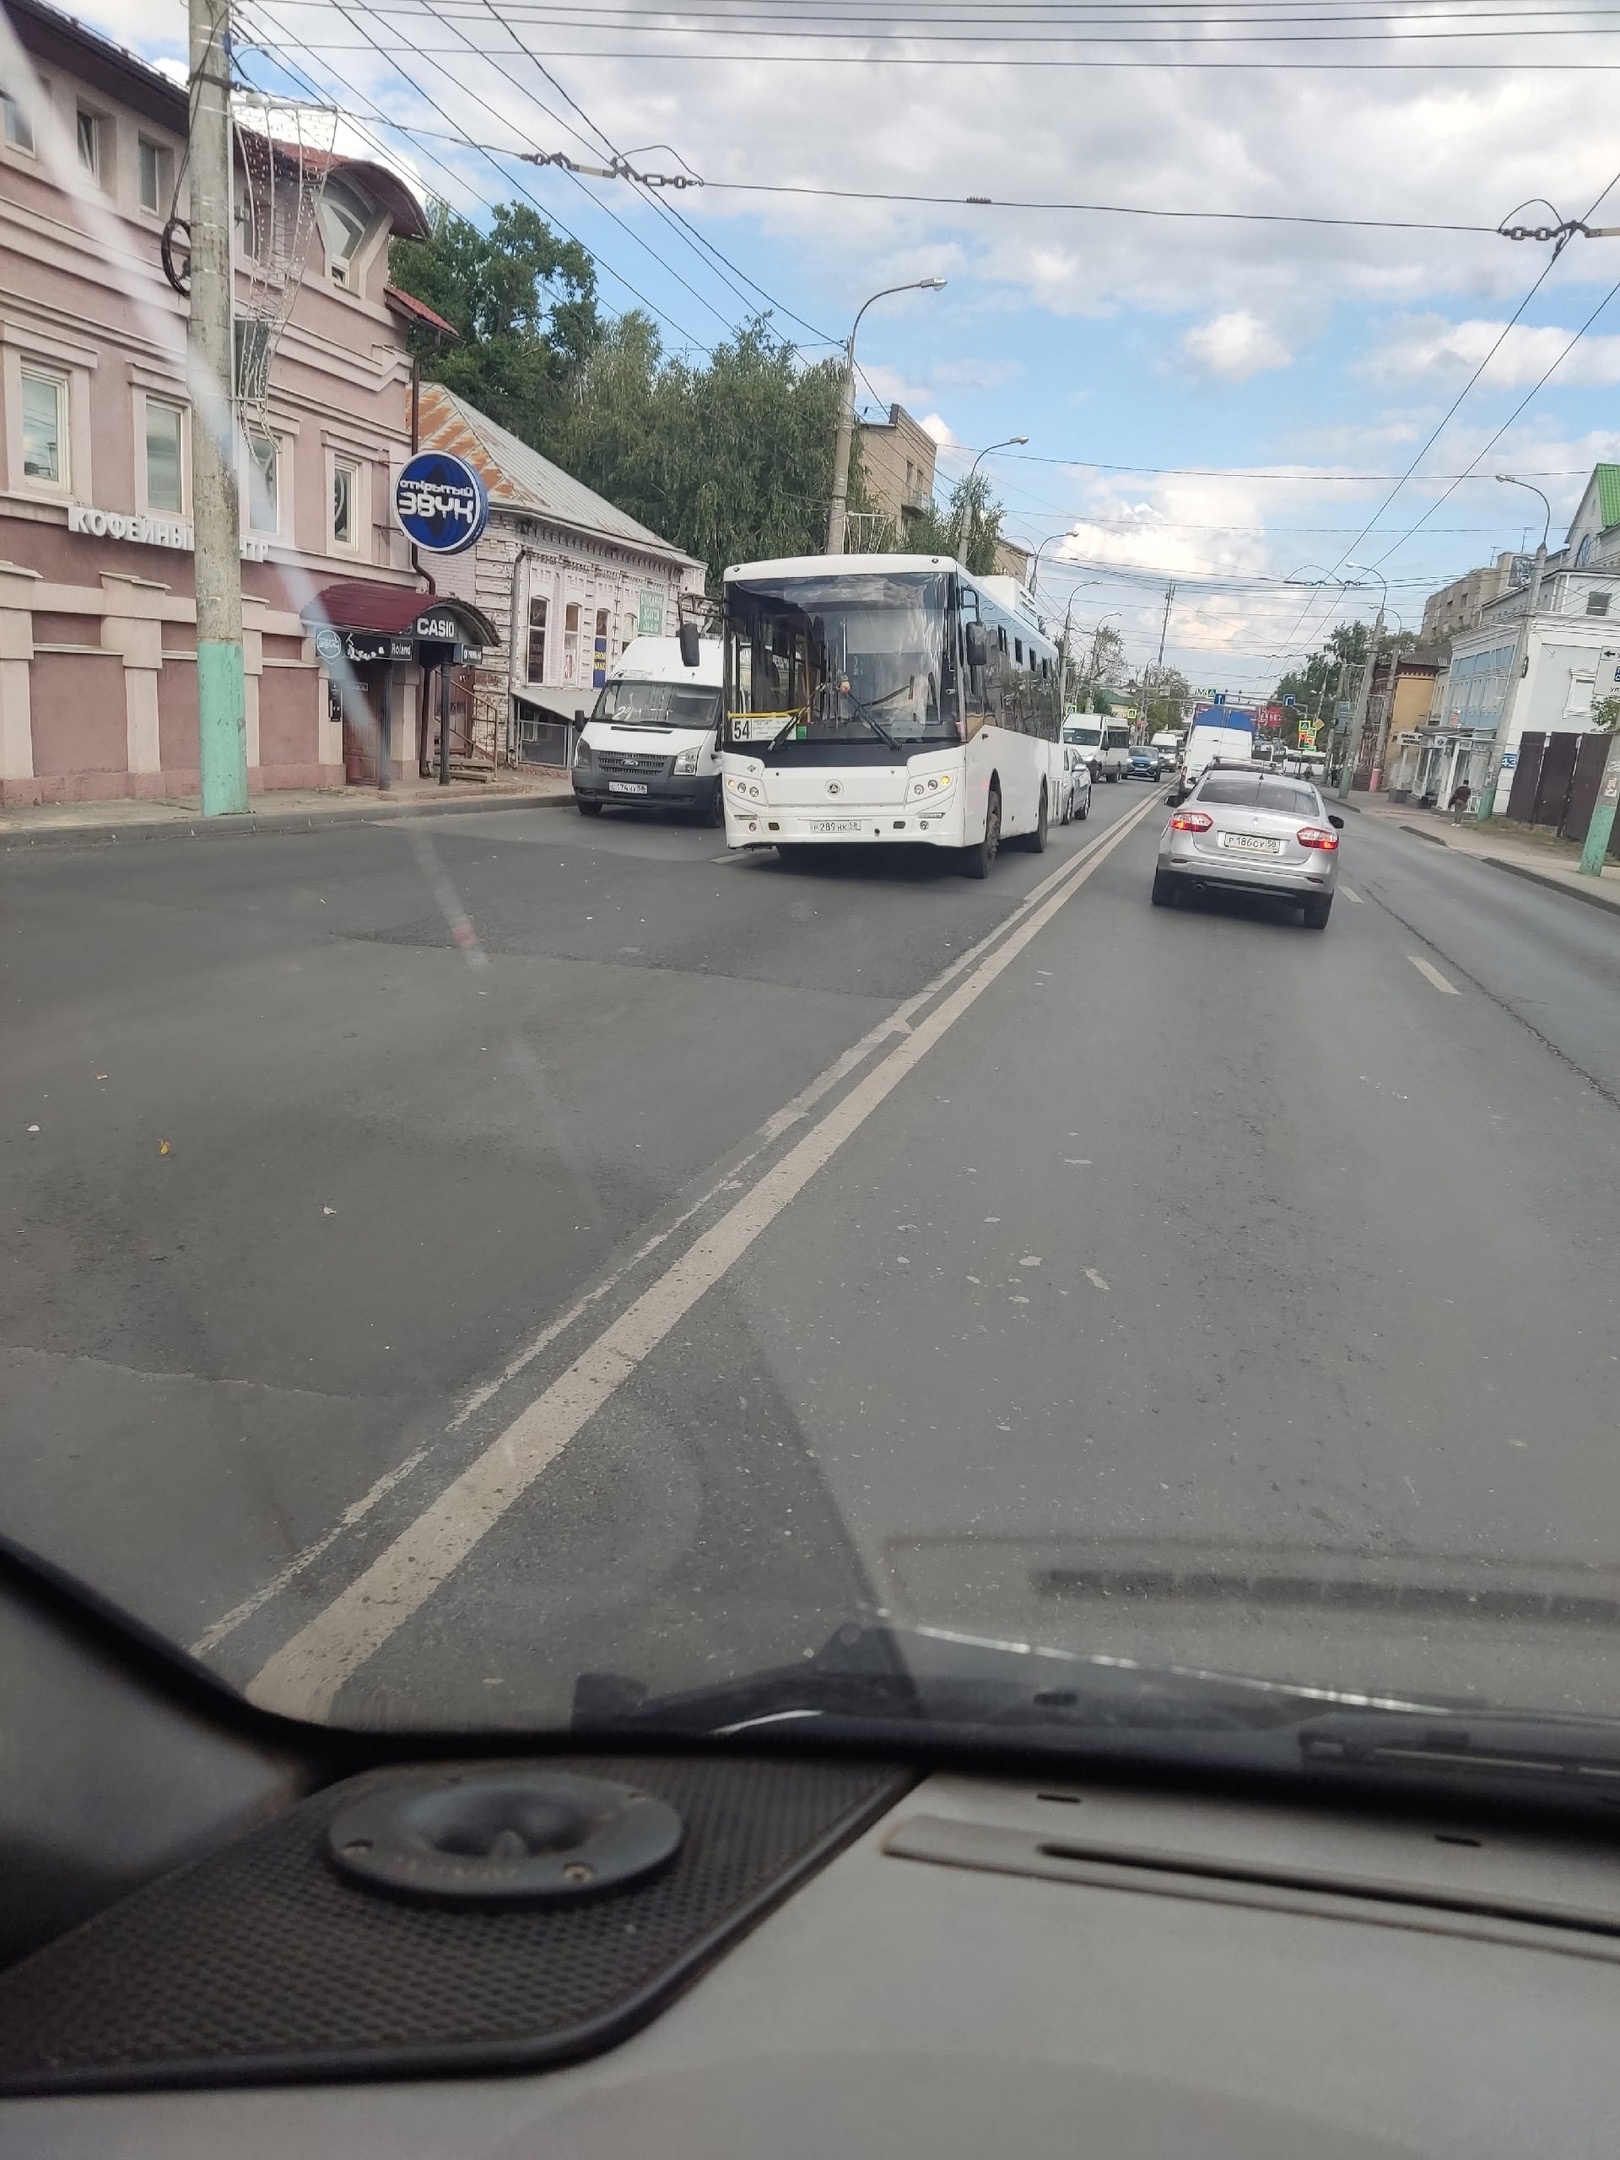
304	1676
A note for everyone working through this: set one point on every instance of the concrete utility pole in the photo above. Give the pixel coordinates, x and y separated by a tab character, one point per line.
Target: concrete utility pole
1359	716
837	512
1595	853
211	370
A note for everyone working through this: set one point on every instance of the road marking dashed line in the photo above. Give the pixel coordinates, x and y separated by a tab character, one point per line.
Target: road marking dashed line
1432	974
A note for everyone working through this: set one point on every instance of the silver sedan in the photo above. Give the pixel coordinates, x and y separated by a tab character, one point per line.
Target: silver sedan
1243	829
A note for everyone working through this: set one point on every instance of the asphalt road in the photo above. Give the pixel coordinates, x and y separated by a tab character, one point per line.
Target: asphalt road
421	1286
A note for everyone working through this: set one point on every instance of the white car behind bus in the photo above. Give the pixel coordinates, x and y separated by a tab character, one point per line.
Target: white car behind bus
651	740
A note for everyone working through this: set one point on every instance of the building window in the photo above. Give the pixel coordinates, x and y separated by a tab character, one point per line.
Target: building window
165	468
45	429
1597	603
537	640
571	642
89	137
155	168
345	221
19	128
629	628
264	484
345	504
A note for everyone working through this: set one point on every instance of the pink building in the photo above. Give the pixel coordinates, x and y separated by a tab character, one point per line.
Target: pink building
98	693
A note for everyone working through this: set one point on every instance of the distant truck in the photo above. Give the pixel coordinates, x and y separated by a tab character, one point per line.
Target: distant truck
1217	736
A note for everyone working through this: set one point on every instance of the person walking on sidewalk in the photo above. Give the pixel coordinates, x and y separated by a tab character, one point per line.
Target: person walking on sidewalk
1459	802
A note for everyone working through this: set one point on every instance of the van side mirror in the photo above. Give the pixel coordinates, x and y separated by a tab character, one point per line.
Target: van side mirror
691	644
978	645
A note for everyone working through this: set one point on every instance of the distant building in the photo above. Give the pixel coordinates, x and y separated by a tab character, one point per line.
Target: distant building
1457	606
567	578
1012	560
897	459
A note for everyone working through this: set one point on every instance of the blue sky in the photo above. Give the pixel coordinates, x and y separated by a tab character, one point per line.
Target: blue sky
1323	356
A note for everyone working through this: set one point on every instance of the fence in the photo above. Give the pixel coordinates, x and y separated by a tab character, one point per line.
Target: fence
1555	783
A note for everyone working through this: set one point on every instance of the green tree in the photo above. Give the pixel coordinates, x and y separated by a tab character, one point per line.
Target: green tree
1312	684
969	527
523	304
1168	701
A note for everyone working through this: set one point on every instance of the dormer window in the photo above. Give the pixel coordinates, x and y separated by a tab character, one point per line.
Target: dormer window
346	218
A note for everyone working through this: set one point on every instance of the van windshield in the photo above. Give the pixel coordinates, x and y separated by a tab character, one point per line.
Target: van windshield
659	704
1088	736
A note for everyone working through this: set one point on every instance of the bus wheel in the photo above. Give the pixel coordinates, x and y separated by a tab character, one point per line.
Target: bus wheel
976	860
1035	842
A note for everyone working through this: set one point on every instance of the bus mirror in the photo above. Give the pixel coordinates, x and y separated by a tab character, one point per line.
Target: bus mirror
978	645
691	645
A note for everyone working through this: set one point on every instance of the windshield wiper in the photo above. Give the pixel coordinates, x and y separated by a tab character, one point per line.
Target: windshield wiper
900	1686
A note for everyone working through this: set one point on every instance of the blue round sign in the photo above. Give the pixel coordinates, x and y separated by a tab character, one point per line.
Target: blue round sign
442	504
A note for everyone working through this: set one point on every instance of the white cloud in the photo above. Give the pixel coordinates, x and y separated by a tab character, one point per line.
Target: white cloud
1235	346
941	430
1420	345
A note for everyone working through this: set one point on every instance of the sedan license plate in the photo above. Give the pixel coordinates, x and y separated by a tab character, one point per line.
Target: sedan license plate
833	824
1251	843
627	787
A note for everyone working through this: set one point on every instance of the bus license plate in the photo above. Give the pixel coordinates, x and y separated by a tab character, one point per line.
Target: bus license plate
627	787
833	824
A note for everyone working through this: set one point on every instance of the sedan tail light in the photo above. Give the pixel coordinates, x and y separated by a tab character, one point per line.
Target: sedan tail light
1191	821
1317	836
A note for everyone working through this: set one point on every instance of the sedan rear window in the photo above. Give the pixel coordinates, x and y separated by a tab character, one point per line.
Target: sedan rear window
1258	791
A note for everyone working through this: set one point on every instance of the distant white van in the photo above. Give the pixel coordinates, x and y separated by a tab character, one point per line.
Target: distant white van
1206	746
1106	743
652	737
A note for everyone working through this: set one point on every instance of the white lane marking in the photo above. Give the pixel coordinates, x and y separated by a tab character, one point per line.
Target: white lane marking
1354	898
1433	974
355	1512
303	1677
1093	1277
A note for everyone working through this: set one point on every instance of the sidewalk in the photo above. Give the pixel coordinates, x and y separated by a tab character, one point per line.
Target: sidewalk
104	824
1524	851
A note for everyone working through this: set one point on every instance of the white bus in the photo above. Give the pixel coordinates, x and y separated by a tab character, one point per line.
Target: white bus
889	699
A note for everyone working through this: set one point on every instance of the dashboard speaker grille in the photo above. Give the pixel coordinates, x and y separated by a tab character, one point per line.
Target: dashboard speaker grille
263	1963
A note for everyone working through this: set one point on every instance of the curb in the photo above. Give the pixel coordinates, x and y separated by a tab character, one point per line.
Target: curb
306	821
1539	877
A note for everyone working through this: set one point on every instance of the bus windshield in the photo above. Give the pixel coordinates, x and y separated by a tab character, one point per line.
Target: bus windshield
842	657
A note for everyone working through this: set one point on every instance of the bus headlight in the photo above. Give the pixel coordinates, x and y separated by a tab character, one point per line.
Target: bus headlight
745	789
931	784
687	760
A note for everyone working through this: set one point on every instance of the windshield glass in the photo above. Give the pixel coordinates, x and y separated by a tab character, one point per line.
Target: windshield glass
535	1211
658	704
825	659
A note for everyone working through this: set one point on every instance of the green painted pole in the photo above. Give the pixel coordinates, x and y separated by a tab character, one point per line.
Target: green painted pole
1595	852
211	369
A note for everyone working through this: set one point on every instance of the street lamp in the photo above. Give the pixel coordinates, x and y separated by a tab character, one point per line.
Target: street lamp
1040	549
1504	722
836	513
960	538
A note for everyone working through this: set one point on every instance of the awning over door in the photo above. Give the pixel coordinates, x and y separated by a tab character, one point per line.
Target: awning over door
360	620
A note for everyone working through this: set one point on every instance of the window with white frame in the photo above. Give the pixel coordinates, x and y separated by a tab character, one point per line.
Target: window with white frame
19	128
165	456
538	612
570	666
91	133
346	506
264	482
156	173
346	218
45	459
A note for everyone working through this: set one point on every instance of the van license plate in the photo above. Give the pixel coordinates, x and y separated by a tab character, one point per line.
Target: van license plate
627	787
